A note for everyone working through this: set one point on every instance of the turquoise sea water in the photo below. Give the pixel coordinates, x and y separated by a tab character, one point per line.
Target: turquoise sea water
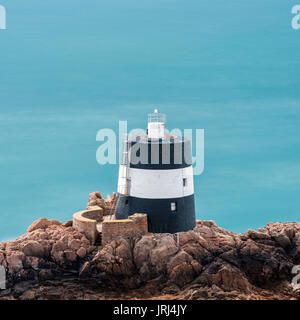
69	68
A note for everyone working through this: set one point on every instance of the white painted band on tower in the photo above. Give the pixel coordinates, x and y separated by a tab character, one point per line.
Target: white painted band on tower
157	184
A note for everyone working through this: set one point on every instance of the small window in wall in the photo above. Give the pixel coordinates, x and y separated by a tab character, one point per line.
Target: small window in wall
173	206
184	182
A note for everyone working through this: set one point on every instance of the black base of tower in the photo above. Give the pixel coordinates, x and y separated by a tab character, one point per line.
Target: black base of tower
122	206
160	217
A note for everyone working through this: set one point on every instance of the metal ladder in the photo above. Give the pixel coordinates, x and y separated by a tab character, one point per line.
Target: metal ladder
125	160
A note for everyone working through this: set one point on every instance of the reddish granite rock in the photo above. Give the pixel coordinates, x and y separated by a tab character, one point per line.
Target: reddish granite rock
206	263
108	205
81	252
42	223
33	248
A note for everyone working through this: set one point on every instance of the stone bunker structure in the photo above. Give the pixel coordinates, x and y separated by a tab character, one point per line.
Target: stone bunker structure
105	229
98	222
136	224
86	222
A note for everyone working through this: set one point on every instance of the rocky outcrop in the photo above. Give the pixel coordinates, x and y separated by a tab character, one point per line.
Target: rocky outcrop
47	247
54	261
42	223
108	205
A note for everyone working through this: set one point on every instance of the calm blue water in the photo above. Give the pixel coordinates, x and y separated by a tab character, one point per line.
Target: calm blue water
69	68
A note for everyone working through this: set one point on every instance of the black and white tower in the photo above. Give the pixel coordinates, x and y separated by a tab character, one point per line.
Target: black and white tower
156	178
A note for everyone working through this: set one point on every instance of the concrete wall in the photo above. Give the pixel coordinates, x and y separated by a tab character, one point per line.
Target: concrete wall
86	222
136	224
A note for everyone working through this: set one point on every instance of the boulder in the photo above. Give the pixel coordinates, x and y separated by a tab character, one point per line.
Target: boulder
74	244
15	261
70	255
68	223
42	223
33	248
81	252
96	200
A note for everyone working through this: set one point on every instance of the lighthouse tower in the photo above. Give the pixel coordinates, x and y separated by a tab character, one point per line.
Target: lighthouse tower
156	178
